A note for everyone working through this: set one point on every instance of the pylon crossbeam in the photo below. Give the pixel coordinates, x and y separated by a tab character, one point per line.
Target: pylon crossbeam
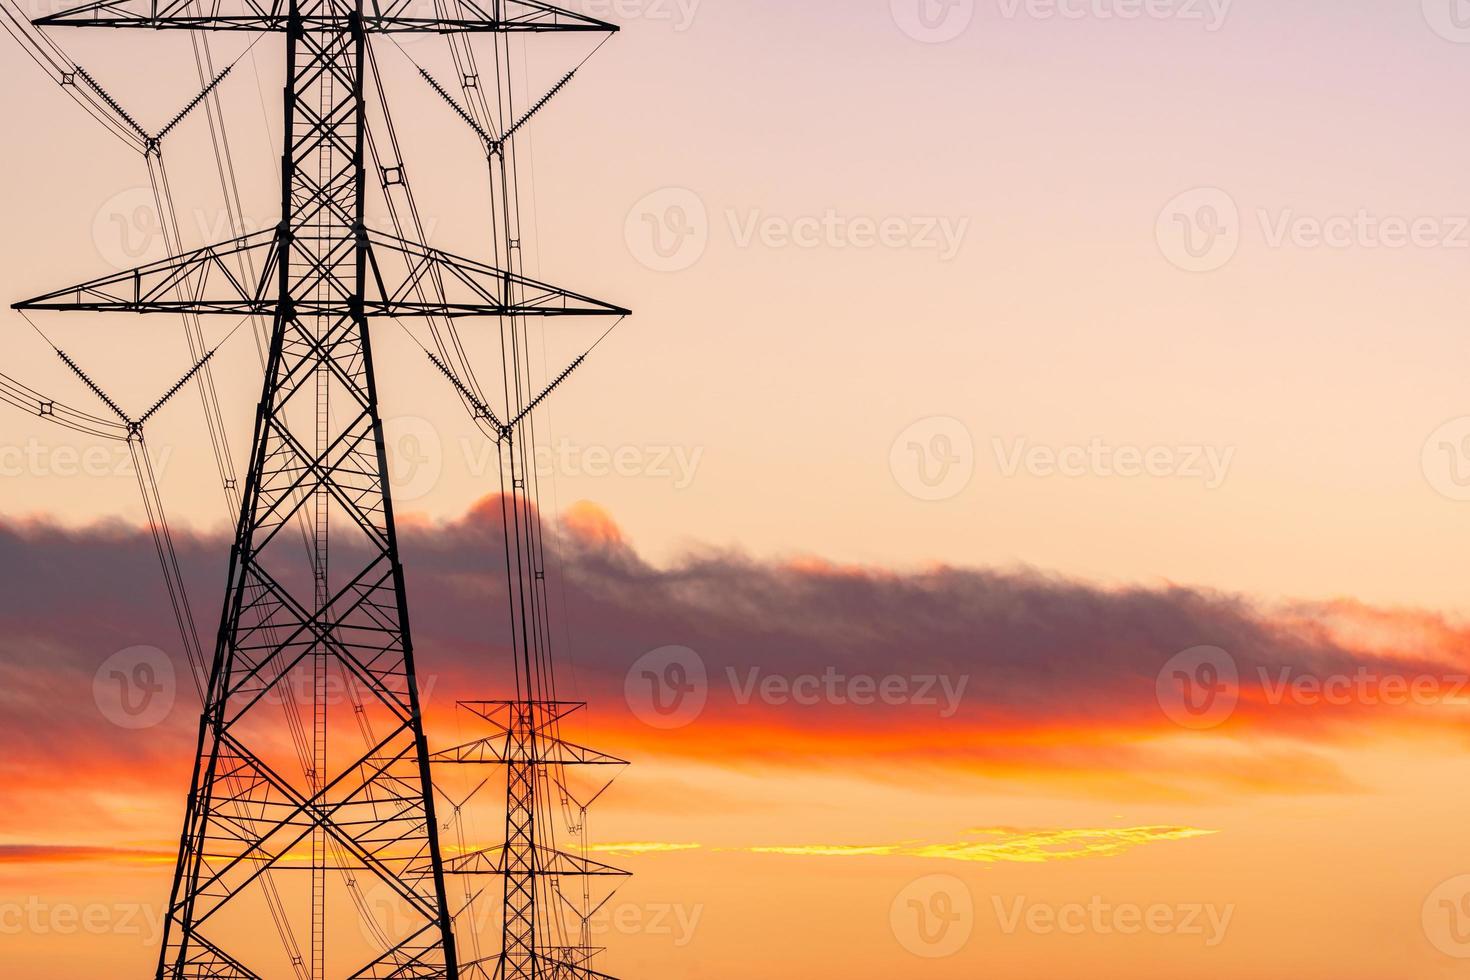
457	286
510	859
396	16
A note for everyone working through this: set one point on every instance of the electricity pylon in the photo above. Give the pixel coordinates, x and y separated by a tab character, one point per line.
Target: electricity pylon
271	800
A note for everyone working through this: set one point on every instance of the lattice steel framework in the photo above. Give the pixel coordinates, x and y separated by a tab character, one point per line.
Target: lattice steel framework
318	459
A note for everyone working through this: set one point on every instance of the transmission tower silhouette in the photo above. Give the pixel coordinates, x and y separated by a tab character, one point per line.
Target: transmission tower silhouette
313	785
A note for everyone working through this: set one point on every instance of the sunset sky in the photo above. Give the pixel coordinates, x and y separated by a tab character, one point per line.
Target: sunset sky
1042	442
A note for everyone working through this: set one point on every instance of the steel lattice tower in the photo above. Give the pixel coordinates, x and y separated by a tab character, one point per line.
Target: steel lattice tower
361	811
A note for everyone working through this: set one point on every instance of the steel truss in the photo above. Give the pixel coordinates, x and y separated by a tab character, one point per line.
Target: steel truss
318	457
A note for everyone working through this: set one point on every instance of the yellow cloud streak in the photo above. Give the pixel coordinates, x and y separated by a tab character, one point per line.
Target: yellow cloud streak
643	847
1007	844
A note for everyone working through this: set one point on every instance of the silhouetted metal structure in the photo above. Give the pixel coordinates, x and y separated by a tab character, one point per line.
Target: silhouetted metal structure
275	792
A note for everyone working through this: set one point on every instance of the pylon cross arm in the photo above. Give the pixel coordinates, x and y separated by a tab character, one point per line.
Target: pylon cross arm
407	279
392	17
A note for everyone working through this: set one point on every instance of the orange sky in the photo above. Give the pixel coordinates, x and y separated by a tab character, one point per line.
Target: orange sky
1059	599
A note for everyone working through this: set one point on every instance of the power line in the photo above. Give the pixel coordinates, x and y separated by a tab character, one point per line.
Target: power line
370	816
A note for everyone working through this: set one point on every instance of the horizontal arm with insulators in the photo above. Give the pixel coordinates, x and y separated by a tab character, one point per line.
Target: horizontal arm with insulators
395	17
